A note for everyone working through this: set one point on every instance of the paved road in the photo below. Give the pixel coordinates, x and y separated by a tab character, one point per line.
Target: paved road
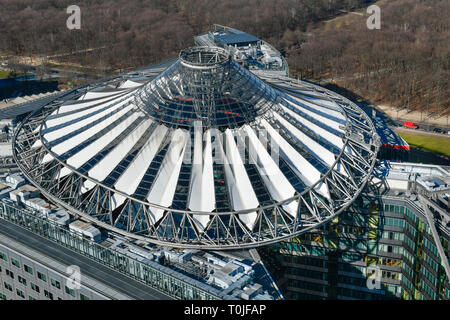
90	268
422	133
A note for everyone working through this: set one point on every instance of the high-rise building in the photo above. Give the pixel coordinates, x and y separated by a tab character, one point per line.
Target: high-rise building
382	247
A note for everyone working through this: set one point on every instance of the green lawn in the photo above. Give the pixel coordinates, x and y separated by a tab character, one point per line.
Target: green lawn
439	145
4	74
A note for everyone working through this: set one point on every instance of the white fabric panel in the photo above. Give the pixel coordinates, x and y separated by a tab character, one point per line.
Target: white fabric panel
80	158
202	196
37	143
327	135
304	170
63	119
239	186
133	174
50	136
103	168
277	184
86	103
84	135
313	101
321	152
130	84
163	188
332	124
73	107
100	94
334	139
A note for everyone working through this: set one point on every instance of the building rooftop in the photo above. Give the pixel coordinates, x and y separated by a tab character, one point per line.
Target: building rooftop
237	39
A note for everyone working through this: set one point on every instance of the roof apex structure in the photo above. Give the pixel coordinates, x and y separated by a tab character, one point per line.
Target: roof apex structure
206	85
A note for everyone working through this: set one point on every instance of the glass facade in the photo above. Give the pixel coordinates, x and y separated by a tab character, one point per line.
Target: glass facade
381	248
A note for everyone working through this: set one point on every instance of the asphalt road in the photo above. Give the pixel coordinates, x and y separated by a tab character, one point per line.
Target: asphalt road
422	133
90	268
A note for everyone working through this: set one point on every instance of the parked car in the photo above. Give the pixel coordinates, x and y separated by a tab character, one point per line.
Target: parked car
410	125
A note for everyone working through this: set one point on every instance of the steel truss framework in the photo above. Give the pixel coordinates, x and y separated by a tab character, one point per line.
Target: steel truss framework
225	230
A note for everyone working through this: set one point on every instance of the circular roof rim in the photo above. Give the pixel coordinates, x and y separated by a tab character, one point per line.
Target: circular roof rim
201	242
295	197
222	53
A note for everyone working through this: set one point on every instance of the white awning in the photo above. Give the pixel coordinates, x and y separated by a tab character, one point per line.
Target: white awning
105	166
239	186
302	168
133	174
276	183
202	194
83	156
163	188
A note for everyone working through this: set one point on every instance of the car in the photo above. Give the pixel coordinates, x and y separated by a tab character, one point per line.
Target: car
410	125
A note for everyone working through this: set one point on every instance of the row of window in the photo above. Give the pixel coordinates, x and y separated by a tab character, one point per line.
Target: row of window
357	294
392	235
347	267
307	285
390	248
307	273
36	288
360	282
391	262
309	261
393	222
428	290
308	249
430	246
390	275
429	276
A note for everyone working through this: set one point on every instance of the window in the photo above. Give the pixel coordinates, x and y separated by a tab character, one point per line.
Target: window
22	280
20	293
2	296
83	297
15	262
7	286
35	287
42	276
31	298
9	273
28	269
3	256
55	283
48	294
70	291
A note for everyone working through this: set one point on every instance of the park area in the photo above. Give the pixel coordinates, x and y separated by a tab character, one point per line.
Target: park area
428	143
4	74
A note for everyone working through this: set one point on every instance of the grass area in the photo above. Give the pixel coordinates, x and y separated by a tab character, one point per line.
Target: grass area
4	74
433	144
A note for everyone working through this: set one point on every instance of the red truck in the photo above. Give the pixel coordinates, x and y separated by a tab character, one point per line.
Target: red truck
410	125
